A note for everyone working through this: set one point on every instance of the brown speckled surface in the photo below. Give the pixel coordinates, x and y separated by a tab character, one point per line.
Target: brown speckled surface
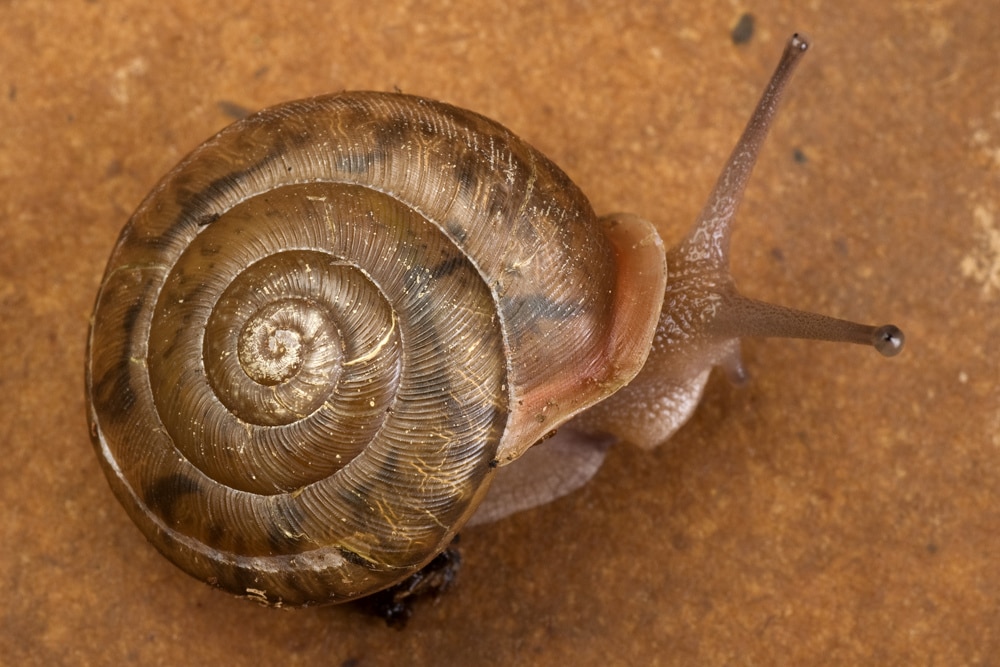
841	509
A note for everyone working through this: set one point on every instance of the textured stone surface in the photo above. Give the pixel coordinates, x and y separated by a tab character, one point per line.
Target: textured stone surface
841	509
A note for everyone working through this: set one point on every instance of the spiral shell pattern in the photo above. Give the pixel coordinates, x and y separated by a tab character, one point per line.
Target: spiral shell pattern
302	360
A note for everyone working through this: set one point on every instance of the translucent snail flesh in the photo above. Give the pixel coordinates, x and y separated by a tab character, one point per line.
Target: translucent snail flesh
322	336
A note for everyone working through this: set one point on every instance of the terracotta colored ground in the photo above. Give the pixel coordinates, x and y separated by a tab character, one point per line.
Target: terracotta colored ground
841	509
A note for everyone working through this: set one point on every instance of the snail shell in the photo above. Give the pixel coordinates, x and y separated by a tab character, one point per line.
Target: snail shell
321	333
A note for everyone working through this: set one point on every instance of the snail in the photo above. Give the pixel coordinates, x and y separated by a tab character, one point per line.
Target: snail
327	331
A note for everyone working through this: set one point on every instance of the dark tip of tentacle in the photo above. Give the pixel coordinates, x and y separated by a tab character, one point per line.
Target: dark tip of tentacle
888	340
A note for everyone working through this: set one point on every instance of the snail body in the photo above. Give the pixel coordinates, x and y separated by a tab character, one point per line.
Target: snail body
322	336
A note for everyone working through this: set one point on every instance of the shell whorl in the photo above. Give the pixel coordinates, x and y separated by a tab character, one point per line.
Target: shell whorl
322	330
